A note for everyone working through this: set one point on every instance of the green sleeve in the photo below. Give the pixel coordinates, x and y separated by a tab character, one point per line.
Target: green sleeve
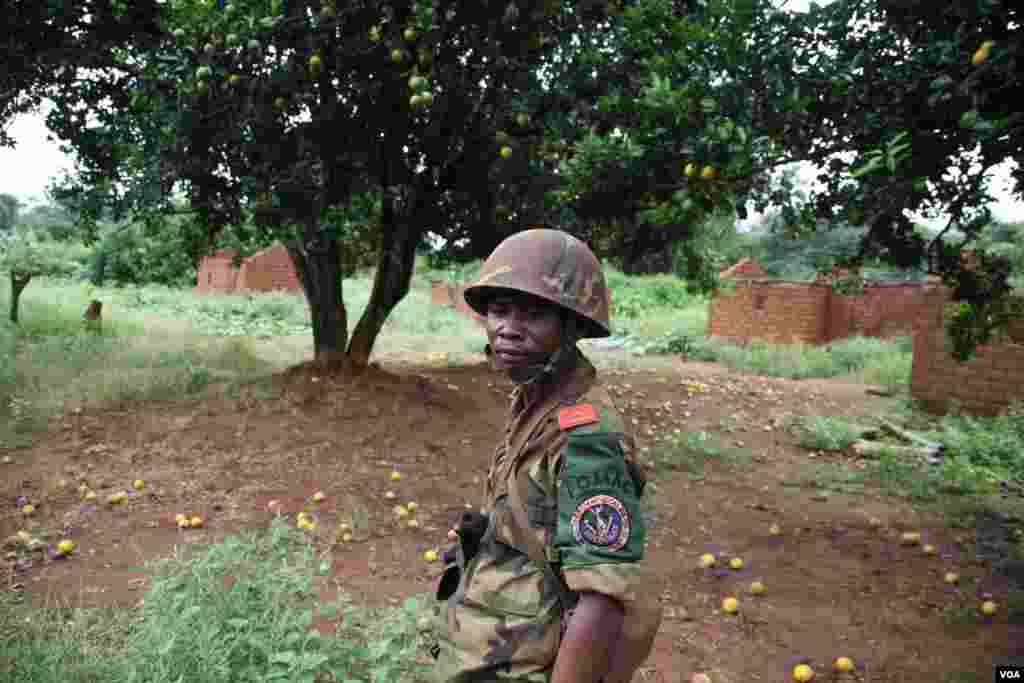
598	503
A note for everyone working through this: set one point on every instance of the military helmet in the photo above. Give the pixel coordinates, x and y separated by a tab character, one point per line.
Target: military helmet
552	265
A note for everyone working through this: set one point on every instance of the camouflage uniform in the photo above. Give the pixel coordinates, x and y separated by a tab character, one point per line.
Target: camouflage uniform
563	493
558	487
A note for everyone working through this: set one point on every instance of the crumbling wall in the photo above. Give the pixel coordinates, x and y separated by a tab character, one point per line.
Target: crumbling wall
984	385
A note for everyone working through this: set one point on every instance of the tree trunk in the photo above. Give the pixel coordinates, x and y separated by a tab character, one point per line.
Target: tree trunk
19	281
395	265
317	267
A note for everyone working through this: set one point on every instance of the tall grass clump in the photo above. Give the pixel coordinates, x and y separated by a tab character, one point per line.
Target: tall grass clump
993	445
240	611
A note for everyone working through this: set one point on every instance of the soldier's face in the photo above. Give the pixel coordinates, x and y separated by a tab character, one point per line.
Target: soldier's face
521	328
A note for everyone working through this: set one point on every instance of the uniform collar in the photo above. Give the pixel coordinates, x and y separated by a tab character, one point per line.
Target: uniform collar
575	383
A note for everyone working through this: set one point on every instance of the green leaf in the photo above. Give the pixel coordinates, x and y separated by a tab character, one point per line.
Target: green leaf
283	657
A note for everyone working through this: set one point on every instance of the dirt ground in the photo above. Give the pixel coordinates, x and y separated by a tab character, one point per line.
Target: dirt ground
835	585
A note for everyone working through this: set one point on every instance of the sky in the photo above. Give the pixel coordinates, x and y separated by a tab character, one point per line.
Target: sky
27	169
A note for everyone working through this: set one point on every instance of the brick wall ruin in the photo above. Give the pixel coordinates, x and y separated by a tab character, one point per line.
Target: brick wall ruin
984	385
265	271
784	312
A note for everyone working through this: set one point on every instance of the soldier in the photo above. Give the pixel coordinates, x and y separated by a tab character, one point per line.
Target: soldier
547	584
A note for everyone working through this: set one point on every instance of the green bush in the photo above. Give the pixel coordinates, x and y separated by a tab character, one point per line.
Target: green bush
126	254
992	444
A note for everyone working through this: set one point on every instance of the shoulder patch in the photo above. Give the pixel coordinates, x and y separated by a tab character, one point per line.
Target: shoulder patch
574	416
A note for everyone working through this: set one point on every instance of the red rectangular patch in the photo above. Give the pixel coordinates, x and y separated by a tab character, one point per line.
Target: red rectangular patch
577	415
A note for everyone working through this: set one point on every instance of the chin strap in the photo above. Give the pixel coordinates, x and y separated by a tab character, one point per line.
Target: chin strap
548	366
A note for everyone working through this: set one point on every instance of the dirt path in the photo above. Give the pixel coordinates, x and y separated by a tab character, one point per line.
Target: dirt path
835	585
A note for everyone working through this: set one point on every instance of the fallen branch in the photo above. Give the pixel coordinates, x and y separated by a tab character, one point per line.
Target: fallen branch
873	449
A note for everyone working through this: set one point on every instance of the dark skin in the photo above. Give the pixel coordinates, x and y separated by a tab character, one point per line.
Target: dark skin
520	324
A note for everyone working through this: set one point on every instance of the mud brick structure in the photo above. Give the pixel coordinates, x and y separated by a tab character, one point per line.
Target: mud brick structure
744	268
269	270
984	385
450	294
788	312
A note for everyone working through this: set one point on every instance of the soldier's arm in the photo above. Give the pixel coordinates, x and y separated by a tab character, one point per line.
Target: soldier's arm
586	652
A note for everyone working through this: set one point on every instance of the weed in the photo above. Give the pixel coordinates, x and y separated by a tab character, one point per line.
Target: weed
827	433
689	451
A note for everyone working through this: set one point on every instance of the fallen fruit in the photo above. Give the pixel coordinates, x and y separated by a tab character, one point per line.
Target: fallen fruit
28	509
178	517
928	549
506	152
730	605
117	498
736	563
89	496
346	537
411	506
707	560
982	53
184	523
951	577
757	588
318	497
774	530
390	495
708	172
196	522
690	170
413	524
843	664
395	475
23	537
430	556
910	538
802	673
400	511
988	608
66	546
138	484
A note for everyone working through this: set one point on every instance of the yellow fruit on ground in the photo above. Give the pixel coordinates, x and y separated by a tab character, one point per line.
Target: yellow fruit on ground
23	537
506	152
138	484
522	120
346	537
951	577
707	560
413	524
315	63
184	523
988	608
708	172
690	170
736	563
774	530
400	511
802	673
430	556
843	664
117	498
89	496
397	56
411	506
178	517
318	497
280	103
910	538
344	526
396	475
196	522
757	588
928	549
28	509
730	605
409	35
66	546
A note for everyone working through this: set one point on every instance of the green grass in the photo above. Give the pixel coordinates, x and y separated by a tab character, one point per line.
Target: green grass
691	452
194	626
828	433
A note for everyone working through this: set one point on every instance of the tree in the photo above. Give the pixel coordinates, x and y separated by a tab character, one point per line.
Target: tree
322	122
9	208
24	256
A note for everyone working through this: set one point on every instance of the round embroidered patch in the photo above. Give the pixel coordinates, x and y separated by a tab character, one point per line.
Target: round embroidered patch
601	521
